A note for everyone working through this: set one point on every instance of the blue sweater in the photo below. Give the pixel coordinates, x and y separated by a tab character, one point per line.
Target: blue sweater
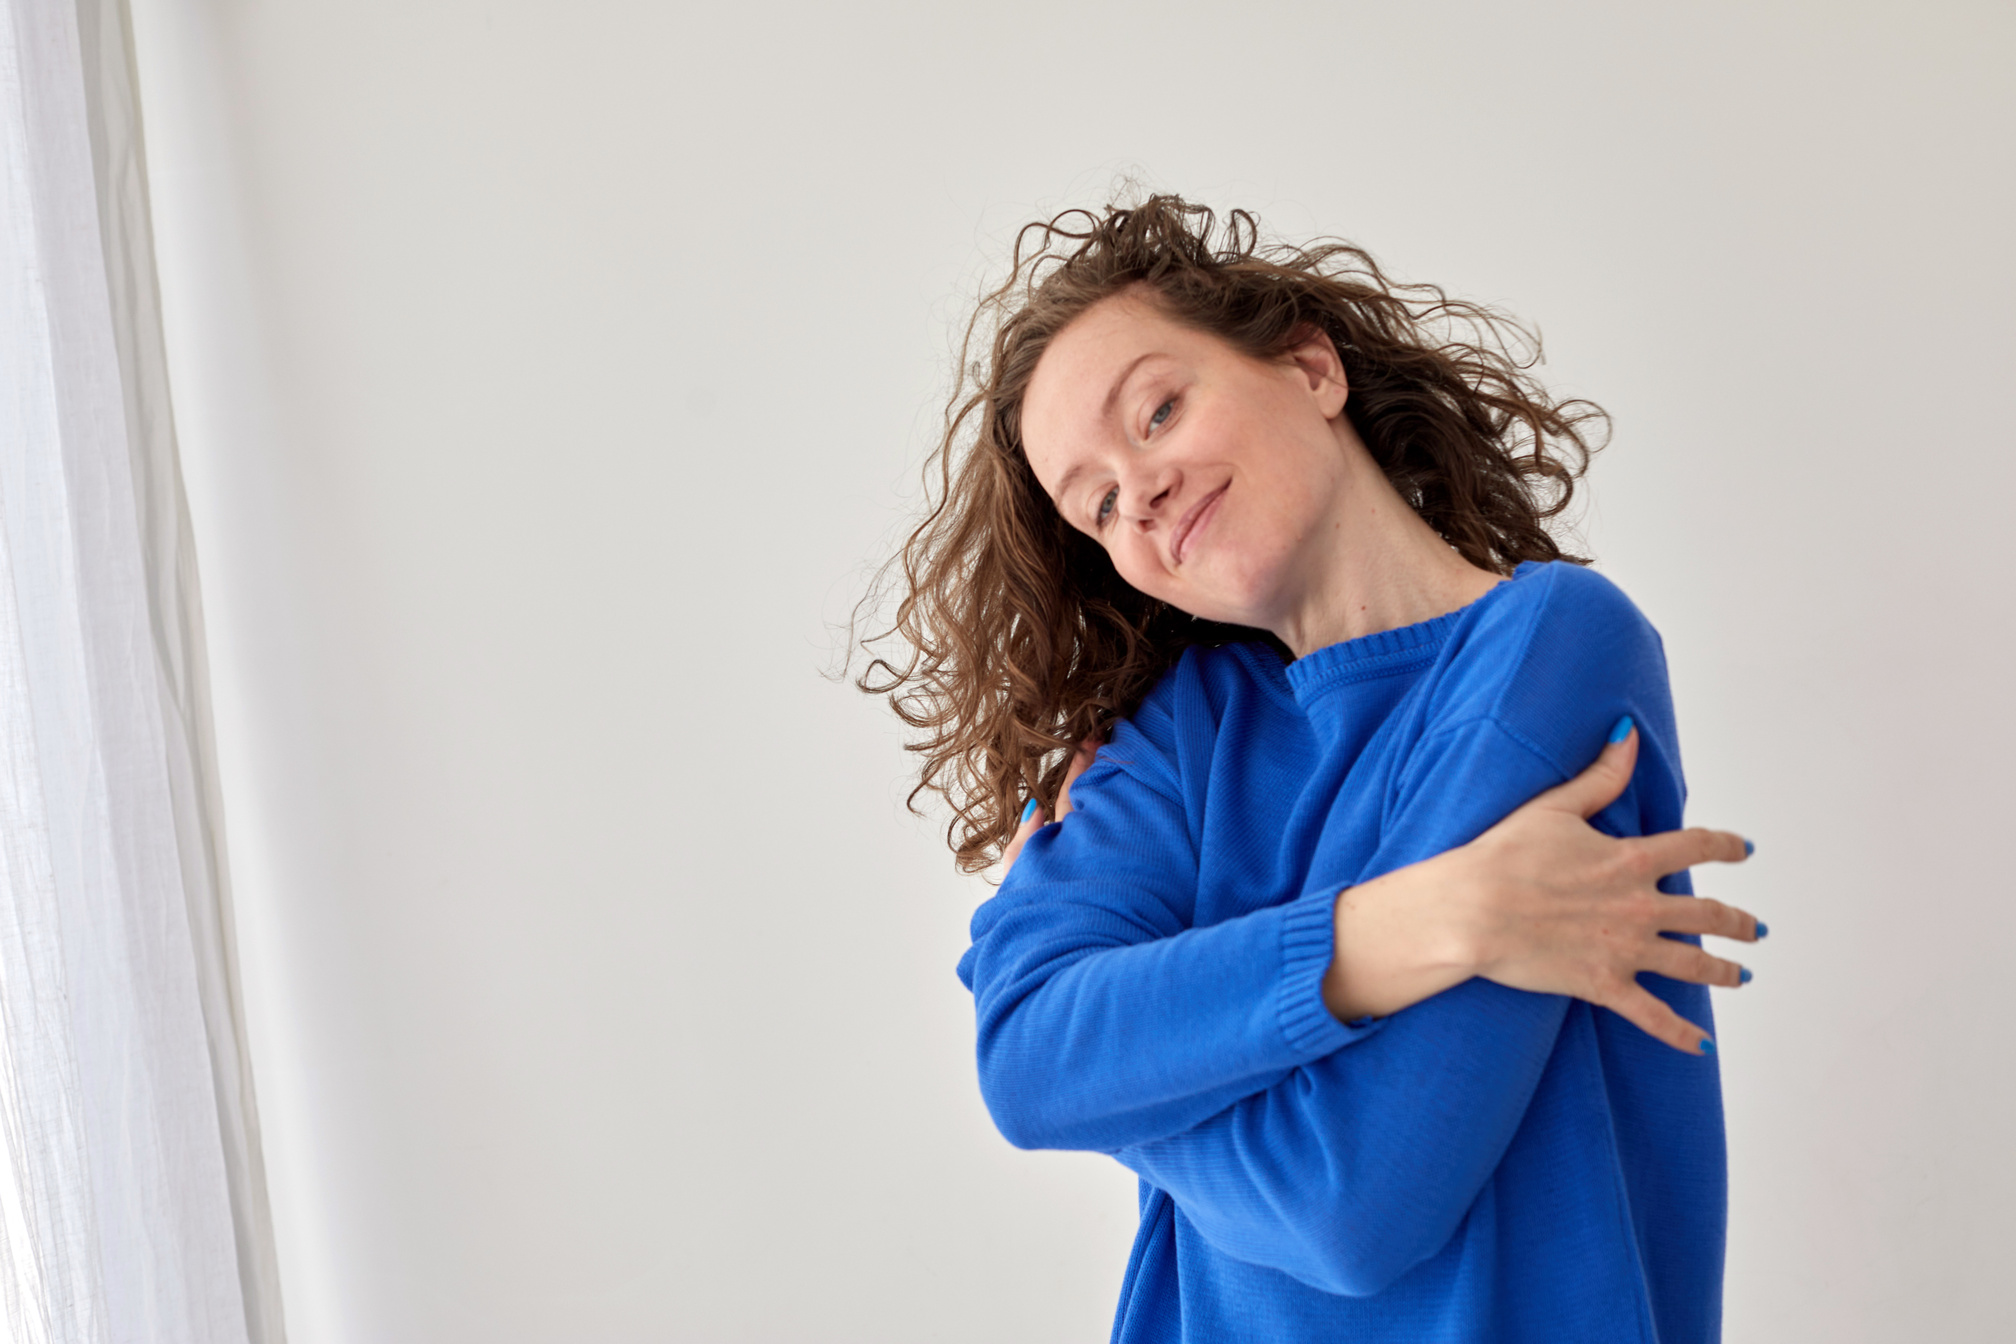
1488	1165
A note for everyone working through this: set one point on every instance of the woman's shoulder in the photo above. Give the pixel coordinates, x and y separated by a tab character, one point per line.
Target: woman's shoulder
1558	645
1560	609
1561	591
1188	703
1213	677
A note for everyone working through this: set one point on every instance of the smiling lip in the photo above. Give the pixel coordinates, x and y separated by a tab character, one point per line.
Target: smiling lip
1200	512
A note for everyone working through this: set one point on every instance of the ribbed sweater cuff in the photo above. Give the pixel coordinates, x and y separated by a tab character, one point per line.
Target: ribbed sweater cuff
1308	942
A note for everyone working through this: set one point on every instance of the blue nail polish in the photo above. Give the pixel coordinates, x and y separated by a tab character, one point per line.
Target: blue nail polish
1744	979
1707	1046
1621	731
1762	928
1749	848
1028	811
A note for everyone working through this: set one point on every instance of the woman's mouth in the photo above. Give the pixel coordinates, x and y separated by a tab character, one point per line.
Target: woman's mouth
1200	513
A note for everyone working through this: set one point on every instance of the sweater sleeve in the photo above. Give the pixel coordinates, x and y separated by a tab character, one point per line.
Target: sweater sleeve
1354	1168
1104	1018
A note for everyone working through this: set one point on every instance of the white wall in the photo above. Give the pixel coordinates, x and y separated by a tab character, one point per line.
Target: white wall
547	372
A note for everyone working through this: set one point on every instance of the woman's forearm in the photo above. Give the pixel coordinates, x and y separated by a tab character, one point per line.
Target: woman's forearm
1401	938
1542	902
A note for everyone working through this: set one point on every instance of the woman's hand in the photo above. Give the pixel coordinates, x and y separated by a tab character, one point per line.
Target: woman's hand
1032	815
1544	902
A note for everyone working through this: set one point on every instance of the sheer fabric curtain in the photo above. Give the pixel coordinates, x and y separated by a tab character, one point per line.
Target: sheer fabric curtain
132	1200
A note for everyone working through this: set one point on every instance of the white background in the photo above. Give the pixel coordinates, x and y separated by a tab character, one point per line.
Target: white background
547	374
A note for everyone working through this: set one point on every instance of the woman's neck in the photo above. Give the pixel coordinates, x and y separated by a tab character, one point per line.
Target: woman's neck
1377	567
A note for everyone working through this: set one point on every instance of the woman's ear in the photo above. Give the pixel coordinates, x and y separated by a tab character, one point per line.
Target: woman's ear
1315	354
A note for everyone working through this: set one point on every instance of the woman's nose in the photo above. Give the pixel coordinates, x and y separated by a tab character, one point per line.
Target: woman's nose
1147	491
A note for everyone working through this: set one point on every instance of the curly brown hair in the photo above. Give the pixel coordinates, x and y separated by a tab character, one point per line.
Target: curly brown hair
1019	638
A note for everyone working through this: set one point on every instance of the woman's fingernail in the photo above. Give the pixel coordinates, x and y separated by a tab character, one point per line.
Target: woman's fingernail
1749	848
1762	928
1707	1046
1028	811
1744	978
1621	731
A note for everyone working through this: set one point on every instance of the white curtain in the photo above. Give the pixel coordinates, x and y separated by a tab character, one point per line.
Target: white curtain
132	1199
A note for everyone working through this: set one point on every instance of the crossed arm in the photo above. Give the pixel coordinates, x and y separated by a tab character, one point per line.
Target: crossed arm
1542	901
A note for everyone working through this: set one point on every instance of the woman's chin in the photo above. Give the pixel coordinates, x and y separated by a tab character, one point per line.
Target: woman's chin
1248	604
1243	603
1223	613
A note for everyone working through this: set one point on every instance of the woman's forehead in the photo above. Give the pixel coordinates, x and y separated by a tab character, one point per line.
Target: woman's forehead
1111	333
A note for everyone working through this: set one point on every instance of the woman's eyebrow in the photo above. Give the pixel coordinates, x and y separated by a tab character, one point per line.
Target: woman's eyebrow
1113	392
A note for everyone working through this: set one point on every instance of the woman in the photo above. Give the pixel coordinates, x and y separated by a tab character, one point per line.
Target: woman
1277	960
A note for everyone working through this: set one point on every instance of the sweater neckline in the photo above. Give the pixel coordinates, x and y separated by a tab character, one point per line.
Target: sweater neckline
1384	652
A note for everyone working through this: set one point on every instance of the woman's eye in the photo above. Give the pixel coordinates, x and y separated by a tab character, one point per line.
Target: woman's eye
1108	504
1162	412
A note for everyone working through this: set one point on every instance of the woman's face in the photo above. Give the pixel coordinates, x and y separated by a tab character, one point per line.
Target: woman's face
1214	480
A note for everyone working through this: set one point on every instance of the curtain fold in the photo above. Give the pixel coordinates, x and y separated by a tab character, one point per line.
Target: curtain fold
132	1197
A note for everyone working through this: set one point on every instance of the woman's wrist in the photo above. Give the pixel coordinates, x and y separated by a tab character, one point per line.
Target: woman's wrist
1400	938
